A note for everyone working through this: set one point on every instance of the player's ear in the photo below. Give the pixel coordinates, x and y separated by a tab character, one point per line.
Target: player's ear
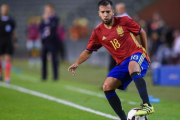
99	13
113	11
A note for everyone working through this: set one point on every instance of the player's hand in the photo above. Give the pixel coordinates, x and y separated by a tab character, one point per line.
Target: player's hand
73	68
45	16
149	60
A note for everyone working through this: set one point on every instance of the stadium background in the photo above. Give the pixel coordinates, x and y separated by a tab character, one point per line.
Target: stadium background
68	11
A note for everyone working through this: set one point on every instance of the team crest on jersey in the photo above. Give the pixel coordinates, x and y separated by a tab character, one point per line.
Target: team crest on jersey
103	38
120	30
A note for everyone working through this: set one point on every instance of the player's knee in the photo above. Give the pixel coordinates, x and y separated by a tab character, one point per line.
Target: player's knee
107	87
134	67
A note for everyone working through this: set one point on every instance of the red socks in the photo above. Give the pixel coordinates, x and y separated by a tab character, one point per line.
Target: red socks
7	71
1	69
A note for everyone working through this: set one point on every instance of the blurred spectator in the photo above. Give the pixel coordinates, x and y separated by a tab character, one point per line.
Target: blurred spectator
176	47
140	21
121	10
33	41
7	37
155	32
143	25
50	41
79	29
164	53
62	37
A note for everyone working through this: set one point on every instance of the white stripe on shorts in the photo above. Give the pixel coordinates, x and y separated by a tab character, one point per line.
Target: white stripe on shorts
141	59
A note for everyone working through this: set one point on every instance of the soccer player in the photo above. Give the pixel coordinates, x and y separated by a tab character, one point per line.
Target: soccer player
7	35
117	35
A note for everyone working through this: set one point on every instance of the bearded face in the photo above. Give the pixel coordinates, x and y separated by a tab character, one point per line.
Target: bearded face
106	14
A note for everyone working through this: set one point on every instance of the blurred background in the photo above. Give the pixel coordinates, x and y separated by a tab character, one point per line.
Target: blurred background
77	19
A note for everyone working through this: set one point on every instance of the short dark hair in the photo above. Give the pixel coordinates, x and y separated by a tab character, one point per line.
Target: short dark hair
105	3
50	5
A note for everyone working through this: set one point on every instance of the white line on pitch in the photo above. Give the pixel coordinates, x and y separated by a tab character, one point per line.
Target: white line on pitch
28	78
88	92
38	94
35	80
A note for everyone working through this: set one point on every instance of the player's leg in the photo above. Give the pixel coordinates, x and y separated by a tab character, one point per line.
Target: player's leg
9	50
37	57
7	59
109	87
44	62
1	69
135	72
29	45
62	50
1	58
54	54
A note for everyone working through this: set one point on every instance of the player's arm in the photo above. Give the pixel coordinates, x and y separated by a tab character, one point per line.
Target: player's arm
82	58
137	30
14	38
14	34
143	39
93	45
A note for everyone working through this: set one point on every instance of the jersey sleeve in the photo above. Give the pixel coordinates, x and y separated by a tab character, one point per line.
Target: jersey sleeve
93	44
132	26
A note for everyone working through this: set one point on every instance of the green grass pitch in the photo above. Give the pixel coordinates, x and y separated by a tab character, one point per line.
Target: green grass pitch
15	105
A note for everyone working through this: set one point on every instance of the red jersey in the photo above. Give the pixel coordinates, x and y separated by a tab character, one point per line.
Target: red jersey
119	40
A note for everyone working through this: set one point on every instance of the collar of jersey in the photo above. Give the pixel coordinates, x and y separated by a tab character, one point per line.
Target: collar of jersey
4	18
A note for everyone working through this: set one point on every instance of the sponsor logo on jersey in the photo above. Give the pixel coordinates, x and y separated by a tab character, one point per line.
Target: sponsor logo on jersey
120	30
103	38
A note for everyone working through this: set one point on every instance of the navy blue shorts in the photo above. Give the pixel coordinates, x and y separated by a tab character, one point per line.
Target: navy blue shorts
121	71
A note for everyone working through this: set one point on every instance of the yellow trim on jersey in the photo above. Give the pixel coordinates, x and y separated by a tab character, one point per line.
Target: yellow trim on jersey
137	44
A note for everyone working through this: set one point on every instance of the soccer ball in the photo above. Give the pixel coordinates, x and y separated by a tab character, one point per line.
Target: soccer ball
131	115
